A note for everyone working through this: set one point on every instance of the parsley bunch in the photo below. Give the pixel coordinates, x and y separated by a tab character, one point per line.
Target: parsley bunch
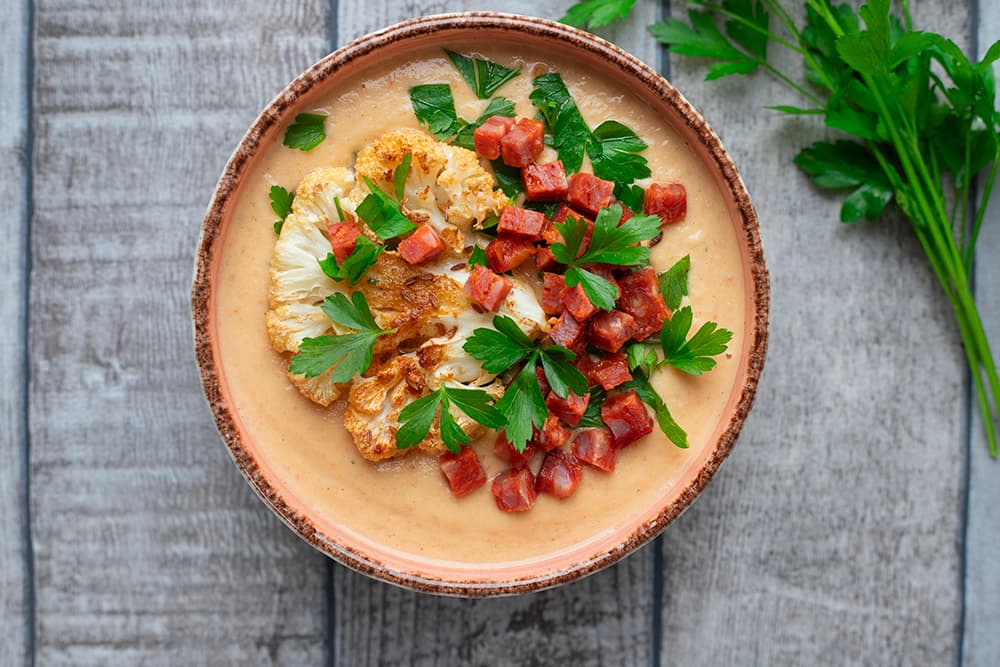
921	115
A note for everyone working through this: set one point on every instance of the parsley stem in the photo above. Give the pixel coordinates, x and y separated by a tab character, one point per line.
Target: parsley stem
791	84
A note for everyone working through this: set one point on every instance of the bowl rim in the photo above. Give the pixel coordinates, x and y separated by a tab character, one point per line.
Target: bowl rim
241	161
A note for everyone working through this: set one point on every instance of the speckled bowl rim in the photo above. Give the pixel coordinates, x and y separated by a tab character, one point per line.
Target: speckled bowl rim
241	162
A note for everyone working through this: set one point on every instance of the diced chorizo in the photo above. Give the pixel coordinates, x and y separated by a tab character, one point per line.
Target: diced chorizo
514	490
626	417
343	238
588	194
611	330
521	222
595	447
507	252
545	260
667	201
422	245
553	285
568	332
545	182
611	371
523	142
560	474
505	451
463	471
577	303
641	298
627	215
488	135
569	409
553	434
487	288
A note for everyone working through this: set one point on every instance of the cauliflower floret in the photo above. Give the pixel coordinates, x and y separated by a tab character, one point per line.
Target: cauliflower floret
319	389
314	198
447	187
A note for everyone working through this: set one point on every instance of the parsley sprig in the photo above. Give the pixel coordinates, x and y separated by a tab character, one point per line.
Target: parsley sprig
416	418
347	354
691	355
281	204
922	115
307	132
610	244
484	76
504	347
383	214
674	282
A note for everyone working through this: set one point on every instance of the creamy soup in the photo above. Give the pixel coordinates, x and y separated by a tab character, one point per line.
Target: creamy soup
405	503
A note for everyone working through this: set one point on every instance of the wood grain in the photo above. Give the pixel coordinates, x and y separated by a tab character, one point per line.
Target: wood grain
15	614
831	534
981	643
150	548
605	619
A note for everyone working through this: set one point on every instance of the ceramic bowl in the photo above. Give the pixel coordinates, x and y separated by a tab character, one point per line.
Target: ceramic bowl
674	110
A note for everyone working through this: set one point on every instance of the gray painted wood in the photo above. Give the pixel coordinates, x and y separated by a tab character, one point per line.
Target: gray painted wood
982	540
605	619
831	534
14	573
150	548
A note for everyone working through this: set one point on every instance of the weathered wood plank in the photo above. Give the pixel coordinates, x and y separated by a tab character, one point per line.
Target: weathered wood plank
150	547
15	618
830	536
602	620
981	642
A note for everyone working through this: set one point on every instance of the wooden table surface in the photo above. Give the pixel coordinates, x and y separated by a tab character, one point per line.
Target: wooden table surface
855	522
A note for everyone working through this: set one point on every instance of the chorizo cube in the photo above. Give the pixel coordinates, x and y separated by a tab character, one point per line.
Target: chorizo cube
523	143
568	332
487	136
553	285
641	298
521	222
506	252
569	409
577	303
560	474
343	238
422	245
487	288
610	330
588	194
669	202
595	447
463	471
626	417
514	490
611	371
545	182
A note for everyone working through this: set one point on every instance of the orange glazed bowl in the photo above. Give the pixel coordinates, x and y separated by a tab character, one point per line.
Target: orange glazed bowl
377	518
